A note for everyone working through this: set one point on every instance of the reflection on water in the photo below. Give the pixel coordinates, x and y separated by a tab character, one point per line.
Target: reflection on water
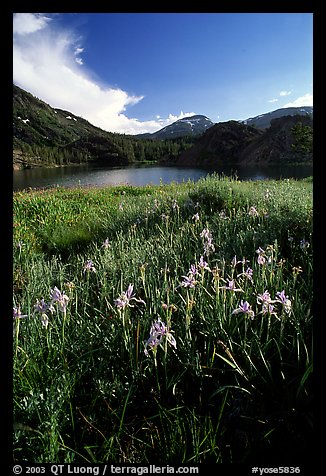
144	175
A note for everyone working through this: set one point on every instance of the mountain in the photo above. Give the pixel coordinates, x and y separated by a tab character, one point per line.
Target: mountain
194	126
263	121
44	136
188	126
40	133
287	140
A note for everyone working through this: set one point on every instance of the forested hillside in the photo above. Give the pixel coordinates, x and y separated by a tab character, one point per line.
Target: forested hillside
44	136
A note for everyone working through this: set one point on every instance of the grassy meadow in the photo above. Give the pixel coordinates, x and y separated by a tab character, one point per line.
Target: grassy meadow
163	324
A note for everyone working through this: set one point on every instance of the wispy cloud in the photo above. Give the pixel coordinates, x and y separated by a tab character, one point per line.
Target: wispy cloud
26	23
77	52
306	100
273	100
285	93
47	62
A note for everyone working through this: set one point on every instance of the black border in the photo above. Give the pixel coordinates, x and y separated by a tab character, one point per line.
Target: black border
276	6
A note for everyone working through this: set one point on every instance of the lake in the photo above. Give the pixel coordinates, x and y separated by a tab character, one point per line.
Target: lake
85	175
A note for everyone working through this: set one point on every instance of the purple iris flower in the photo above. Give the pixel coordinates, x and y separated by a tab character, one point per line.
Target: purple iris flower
244	308
59	298
126	297
158	331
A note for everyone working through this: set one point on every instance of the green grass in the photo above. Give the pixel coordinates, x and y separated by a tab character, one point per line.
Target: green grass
235	389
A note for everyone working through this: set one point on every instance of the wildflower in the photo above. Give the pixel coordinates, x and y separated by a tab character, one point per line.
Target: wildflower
208	244
216	272
264	298
231	286
106	244
234	261
188	281
245	308
261	256
253	212
70	285
296	270
206	234
42	307
17	313
164	217
266	302
20	245
304	245
203	264
195	217
143	267
281	262
268	308
284	300
247	274
267	194
158	331
193	270
175	205
61	299
223	216
208	247
89	266
44	320
126	297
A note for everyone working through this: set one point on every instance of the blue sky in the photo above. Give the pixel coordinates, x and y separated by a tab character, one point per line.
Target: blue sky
138	72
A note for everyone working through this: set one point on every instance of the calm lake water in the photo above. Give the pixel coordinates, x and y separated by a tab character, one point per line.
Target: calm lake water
144	175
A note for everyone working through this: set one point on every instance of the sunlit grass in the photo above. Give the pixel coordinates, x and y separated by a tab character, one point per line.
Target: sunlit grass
97	380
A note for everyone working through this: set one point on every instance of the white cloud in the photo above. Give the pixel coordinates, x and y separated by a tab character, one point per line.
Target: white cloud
273	100
78	50
45	63
306	100
285	93
173	118
26	23
134	126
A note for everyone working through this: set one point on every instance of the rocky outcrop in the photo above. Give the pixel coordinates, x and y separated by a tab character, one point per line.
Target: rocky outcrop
233	142
278	143
223	143
263	121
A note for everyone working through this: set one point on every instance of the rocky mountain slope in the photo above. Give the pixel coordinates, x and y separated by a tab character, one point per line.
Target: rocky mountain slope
188	126
288	140
44	136
40	132
263	121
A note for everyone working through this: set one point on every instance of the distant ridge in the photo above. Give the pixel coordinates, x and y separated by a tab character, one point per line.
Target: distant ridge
263	121
44	136
288	140
187	126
